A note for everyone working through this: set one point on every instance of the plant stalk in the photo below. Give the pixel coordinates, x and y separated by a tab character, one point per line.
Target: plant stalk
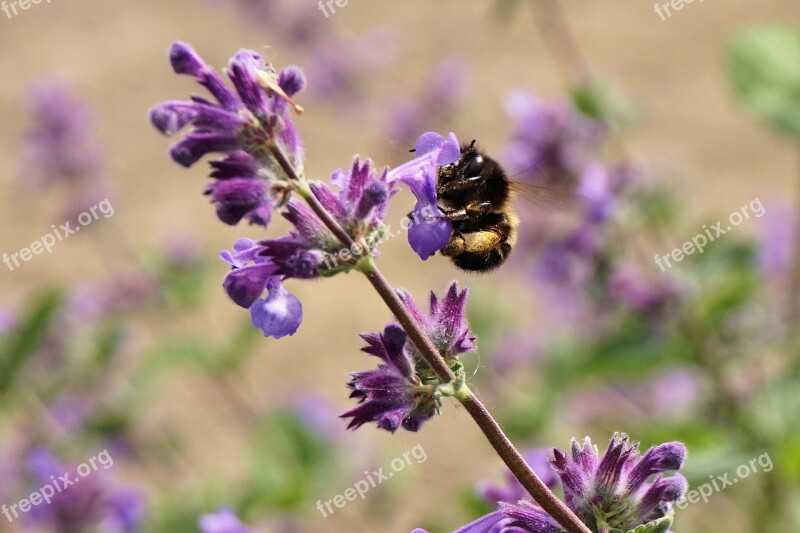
488	425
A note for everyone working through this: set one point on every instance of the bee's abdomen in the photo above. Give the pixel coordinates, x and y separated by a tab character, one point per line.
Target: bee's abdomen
483	261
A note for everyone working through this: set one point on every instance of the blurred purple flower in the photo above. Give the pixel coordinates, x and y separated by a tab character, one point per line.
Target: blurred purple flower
7	321
223	521
90	302
437	99
777	238
83	504
318	414
62	144
550	143
629	285
339	69
598	189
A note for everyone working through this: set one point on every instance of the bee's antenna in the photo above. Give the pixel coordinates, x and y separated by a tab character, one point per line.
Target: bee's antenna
472	144
413	150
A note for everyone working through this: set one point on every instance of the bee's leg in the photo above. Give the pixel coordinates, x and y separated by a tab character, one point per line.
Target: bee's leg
460	186
472	211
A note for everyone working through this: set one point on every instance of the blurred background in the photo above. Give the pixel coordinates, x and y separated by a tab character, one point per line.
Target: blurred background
122	340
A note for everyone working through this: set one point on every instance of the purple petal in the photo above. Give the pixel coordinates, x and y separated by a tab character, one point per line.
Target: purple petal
662	492
429	237
658	459
291	80
223	521
185	60
394	339
280	314
244	251
529	518
490	523
199	143
245	285
242	72
169	117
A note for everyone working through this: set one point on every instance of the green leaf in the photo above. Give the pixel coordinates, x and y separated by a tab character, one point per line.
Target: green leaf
764	67
656	526
25	340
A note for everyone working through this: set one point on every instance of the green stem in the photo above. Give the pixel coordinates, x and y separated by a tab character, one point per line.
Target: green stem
488	425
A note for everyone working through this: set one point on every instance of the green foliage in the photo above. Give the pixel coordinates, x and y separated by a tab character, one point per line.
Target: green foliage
656	526
292	465
23	343
764	67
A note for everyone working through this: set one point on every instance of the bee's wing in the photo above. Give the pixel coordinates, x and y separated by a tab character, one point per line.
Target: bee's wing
548	197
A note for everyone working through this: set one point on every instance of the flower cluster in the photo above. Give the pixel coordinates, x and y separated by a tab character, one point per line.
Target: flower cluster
608	493
248	126
239	124
404	391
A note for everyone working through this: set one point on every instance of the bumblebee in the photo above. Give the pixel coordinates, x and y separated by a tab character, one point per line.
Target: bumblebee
476	197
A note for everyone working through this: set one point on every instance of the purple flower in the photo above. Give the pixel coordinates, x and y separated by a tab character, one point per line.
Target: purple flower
310	249
339	69
7	321
615	487
446	323
437	99
223	521
239	125
609	493
429	231
90	302
629	285
127	512
404	391
776	240
80	505
317	414
597	190
550	143
62	144
279	314
393	395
